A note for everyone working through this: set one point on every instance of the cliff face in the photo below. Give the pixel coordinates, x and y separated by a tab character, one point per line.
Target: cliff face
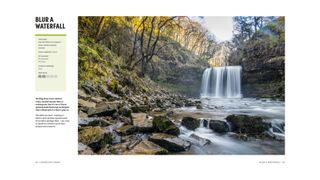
264	78
263	61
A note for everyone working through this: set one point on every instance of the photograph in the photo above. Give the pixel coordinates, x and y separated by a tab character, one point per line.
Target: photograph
181	85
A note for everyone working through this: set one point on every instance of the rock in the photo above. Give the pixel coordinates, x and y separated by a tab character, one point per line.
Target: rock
164	125
82	114
104	151
134	101
110	104
199	140
142	122
85	105
90	135
189	103
98	122
84	150
219	126
133	140
88	89
199	106
190	123
140	108
169	142
82	95
124	119
101	111
125	111
251	125
107	94
94	137
115	126
126	130
146	147
114	136
119	149
97	99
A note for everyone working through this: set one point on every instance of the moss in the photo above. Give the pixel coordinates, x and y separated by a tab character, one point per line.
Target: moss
113	84
251	125
190	123
163	124
90	135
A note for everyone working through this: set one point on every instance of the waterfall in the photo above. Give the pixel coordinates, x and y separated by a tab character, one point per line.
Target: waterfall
203	123
221	82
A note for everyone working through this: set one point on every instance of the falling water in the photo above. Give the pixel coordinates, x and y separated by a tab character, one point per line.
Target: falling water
221	82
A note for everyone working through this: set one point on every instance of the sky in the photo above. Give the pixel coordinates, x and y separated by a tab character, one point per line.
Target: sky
220	26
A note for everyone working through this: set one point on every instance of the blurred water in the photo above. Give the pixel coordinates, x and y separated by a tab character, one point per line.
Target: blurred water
218	109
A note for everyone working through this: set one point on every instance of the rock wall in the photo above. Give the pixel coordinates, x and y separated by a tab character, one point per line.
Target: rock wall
264	78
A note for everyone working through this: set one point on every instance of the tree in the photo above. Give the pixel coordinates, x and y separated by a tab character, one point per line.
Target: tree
146	40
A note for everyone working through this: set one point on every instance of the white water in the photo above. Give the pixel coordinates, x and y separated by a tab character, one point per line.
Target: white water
221	82
221	96
218	109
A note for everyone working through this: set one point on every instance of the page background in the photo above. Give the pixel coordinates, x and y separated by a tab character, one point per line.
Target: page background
22	144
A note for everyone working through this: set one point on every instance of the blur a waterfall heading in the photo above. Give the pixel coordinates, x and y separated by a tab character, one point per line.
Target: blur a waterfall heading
221	82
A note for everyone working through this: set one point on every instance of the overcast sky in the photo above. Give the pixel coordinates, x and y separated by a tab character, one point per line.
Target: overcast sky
220	26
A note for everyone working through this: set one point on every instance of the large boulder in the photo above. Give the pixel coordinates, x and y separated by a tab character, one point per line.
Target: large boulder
219	126
190	123
126	130
142	122
164	125
169	142
251	125
102	110
146	147
94	137
85	105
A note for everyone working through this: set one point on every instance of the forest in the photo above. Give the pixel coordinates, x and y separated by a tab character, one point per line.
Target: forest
149	84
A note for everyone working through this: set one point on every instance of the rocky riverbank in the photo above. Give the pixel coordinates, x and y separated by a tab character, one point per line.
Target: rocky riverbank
134	124
145	123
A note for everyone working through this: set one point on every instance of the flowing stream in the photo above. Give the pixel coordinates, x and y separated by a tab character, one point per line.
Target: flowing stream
221	96
218	109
